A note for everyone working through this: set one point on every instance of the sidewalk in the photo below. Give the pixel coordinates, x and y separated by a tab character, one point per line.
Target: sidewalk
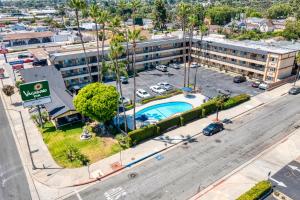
272	160
53	181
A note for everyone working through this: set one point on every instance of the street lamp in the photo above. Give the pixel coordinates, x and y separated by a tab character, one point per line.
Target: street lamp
25	132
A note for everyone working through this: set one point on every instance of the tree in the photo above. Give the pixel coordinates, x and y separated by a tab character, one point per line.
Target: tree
295	8
116	51
279	11
183	10
133	36
102	19
97	101
8	90
219	103
297	62
62	13
292	30
203	31
94	13
160	15
221	15
192	21
79	5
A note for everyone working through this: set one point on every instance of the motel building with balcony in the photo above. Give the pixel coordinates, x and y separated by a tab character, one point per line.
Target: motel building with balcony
259	60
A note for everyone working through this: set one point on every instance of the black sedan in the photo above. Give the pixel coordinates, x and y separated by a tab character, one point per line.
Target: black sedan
213	128
294	91
239	79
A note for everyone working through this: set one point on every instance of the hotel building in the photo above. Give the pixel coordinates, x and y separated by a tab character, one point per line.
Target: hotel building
267	62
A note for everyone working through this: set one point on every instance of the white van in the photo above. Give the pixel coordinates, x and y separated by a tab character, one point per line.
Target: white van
162	68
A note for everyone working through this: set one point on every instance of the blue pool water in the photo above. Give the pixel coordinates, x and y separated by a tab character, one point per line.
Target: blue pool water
164	110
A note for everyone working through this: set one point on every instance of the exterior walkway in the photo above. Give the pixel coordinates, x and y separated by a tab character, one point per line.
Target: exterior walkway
52	181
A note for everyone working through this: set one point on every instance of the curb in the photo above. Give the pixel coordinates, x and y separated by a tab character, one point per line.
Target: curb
224	178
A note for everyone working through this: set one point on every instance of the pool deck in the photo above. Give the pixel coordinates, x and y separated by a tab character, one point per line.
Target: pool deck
194	99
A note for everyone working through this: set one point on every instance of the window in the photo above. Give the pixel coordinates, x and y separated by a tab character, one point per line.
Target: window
273	59
272	69
269	78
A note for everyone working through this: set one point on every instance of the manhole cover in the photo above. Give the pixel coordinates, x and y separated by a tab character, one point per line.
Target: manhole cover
132	175
218	141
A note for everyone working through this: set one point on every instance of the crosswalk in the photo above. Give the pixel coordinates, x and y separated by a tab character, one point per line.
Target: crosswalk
115	194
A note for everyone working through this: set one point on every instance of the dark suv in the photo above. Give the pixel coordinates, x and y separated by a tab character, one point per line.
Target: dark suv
239	79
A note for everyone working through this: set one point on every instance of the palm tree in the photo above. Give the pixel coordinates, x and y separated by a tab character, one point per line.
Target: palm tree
94	13
134	35
62	13
203	30
79	5
116	51
182	10
192	20
102	19
298	67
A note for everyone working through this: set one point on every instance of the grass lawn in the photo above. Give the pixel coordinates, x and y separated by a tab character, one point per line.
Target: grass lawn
58	141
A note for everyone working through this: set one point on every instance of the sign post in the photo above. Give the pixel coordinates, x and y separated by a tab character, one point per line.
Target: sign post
35	94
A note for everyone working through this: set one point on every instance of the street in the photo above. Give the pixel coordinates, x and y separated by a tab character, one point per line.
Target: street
189	168
13	180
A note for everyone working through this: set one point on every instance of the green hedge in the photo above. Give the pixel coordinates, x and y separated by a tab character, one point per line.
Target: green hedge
210	106
257	192
141	134
192	115
236	100
168	123
167	95
202	111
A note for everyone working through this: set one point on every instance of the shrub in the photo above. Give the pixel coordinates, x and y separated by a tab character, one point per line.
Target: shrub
168	123
129	107
236	100
124	141
192	115
73	154
210	106
256	192
141	134
167	95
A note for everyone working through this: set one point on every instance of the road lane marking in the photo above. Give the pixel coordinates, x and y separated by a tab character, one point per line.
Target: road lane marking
115	193
78	195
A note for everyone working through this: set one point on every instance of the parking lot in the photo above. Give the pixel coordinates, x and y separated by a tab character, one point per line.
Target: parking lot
208	80
287	180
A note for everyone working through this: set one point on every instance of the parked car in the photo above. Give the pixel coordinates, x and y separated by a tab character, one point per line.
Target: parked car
194	65
162	68
225	93
239	79
28	60
263	86
126	101
294	91
213	128
21	56
157	89
255	84
124	79
142	93
42	62
165	86
18	67
174	66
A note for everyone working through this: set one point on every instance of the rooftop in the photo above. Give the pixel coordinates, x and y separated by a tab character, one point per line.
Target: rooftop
27	35
62	101
259	46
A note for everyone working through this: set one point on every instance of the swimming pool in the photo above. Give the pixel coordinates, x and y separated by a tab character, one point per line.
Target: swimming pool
164	110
